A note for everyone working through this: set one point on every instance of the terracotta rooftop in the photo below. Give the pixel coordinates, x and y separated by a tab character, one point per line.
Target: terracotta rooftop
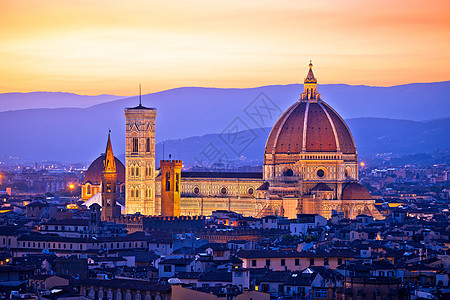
94	172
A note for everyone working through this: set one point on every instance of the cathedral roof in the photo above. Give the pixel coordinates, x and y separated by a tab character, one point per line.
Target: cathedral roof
207	174
94	172
97	199
355	191
310	125
264	186
321	187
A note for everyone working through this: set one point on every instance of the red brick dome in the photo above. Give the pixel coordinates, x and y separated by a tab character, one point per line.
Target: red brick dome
94	172
355	191
311	126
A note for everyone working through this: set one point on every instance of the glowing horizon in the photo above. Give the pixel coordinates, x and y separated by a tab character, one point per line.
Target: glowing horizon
103	47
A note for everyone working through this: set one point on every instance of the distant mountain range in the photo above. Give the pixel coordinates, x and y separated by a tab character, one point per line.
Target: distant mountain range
79	134
17	101
372	136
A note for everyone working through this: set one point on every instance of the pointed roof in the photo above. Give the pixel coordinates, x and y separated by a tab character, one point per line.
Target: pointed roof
310	77
109	163
310	86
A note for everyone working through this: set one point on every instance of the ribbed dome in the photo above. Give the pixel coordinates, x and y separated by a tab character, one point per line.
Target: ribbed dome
94	172
311	126
355	191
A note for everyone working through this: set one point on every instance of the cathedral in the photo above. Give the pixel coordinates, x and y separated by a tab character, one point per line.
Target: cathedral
102	185
310	166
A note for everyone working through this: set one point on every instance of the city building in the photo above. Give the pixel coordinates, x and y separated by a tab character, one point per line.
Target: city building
310	166
140	160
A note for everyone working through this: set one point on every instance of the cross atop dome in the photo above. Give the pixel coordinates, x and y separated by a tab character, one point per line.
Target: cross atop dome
310	86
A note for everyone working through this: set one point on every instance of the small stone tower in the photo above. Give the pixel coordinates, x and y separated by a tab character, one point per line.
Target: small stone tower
170	187
110	209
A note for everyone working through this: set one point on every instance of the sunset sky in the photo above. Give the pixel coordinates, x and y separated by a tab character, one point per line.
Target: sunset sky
109	47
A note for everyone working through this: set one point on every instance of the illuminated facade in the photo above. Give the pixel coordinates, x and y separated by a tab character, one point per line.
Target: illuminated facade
205	192
140	160
170	187
311	158
310	166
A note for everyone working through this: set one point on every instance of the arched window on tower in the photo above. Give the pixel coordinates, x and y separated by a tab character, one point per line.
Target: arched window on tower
88	187
137	193
146	171
132	193
137	170
147	145
135	145
177	184
167	181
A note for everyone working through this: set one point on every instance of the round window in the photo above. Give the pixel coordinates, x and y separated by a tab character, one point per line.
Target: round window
251	191
196	190
223	191
320	173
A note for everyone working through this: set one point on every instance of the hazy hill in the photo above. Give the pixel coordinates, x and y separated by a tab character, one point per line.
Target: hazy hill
16	101
372	136
79	134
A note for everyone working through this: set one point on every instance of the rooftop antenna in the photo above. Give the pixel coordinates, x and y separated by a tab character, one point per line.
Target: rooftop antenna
140	102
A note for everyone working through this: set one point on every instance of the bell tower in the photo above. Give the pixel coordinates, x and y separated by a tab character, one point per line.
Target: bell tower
110	209
140	159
